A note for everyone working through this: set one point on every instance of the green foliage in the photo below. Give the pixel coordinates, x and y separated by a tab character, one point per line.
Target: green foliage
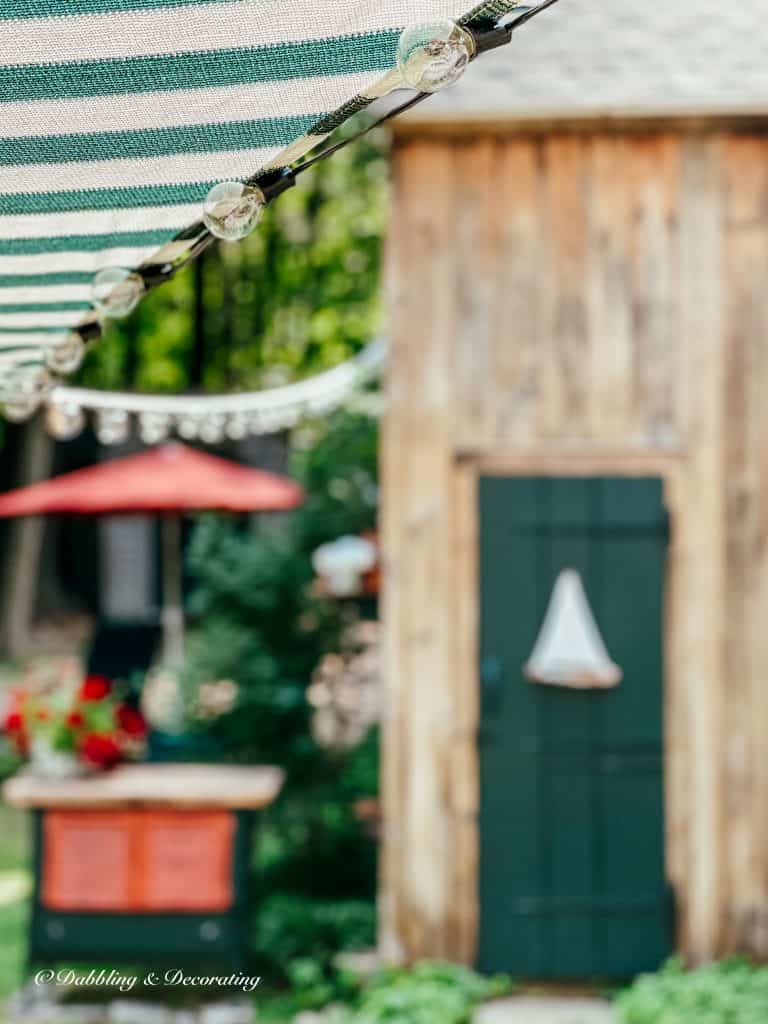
428	993
733	992
263	625
261	622
13	924
291	928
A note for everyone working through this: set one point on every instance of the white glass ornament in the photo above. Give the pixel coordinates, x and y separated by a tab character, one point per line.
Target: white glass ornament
237	427
433	56
65	356
232	210
255	423
64	421
154	427
212	429
188	428
116	291
288	417
112	426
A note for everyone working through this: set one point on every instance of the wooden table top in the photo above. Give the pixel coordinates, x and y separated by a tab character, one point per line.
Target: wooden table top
151	785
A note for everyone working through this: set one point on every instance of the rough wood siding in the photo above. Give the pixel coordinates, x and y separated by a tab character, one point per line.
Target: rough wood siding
418	901
580	303
745	732
567	290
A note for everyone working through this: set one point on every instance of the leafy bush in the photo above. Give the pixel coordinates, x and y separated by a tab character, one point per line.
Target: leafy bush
263	626
429	993
290	928
733	992
426	993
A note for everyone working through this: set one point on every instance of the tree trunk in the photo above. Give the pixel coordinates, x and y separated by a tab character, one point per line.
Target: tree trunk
25	542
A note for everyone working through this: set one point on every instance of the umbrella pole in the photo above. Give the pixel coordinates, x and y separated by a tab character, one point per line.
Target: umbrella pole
172	616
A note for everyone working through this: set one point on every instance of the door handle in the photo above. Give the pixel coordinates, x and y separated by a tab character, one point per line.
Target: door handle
492	684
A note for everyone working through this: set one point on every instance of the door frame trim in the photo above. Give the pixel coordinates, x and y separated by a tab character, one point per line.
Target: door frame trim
468	471
428	879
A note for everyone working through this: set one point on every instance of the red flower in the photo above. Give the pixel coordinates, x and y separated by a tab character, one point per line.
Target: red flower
131	721
14	722
95	688
15	726
75	719
101	749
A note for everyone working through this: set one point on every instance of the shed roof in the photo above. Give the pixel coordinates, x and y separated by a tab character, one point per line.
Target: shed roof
588	58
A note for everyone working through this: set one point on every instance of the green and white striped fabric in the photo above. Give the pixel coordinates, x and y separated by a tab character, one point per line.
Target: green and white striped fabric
118	116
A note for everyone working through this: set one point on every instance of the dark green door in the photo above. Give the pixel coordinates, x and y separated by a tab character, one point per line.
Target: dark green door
572	880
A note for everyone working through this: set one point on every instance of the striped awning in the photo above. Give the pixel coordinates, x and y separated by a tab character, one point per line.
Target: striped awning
118	116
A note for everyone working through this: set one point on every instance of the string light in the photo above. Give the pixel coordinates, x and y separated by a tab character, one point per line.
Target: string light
232	210
66	356
116	292
433	56
209	418
429	58
24	390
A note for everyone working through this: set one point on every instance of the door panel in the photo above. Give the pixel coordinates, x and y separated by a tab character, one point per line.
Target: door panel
572	821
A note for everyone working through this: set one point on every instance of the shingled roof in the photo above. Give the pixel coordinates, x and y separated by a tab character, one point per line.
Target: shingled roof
588	58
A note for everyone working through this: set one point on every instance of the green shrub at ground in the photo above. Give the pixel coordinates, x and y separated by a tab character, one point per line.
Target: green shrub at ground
429	993
733	992
424	994
290	928
263	625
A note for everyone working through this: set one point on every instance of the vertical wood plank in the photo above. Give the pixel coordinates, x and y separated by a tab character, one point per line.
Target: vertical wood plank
465	767
475	251
565	349
653	178
612	342
702	543
746	441
417	537
513	388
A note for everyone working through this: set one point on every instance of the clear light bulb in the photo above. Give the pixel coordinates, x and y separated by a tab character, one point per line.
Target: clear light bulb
232	210
116	292
20	408
65	356
435	55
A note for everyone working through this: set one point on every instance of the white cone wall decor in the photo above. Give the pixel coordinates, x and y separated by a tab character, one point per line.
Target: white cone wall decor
570	650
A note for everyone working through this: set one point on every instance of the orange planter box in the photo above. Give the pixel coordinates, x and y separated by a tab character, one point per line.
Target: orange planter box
133	861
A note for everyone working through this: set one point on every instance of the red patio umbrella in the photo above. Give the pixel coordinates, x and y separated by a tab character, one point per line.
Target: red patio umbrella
168	480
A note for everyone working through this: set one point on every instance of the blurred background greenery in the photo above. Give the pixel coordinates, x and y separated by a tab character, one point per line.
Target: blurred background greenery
297	297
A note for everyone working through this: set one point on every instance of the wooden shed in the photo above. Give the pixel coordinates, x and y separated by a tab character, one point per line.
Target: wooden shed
578	296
